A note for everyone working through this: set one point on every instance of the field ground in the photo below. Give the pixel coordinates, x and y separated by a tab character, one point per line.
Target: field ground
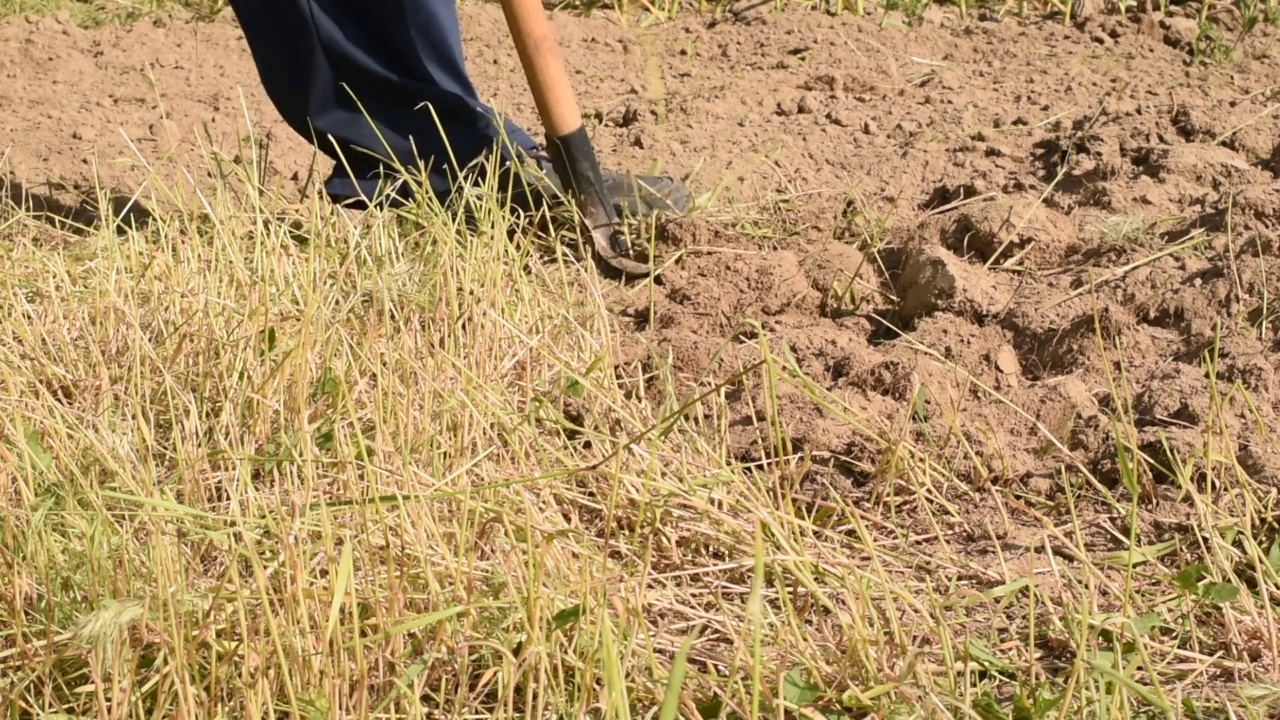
958	399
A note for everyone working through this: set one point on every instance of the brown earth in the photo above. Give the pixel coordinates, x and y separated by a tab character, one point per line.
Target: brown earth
916	161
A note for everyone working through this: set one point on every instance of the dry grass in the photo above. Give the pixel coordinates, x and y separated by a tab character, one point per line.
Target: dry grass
273	460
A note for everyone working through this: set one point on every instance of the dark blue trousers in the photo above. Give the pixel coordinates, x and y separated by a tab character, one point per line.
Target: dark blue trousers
355	77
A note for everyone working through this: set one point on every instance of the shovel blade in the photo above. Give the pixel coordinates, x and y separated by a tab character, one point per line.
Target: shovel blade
575	161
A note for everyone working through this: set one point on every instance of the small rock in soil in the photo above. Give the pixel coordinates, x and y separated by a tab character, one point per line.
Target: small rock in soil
1180	32
840	118
1007	360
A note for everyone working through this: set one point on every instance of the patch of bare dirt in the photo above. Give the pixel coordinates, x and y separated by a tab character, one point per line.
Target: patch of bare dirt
1077	221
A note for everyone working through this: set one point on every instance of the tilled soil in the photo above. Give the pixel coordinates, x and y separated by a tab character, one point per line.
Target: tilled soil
1072	217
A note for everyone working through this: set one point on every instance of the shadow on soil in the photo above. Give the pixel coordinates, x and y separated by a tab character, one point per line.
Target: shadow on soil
81	215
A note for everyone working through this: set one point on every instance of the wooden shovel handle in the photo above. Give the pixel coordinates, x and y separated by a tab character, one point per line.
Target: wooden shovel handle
544	67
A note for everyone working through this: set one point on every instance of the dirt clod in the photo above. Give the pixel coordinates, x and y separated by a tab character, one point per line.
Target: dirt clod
1179	32
935	280
1007	360
834	265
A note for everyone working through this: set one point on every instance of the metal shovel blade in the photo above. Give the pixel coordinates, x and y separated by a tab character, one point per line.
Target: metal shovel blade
574	159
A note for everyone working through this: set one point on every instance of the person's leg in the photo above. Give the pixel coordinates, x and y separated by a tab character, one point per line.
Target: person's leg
402	60
332	66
